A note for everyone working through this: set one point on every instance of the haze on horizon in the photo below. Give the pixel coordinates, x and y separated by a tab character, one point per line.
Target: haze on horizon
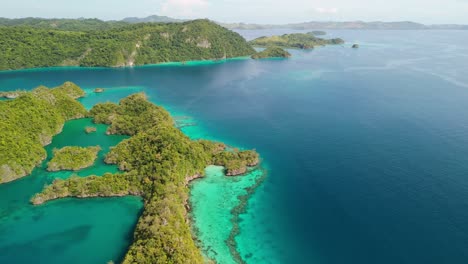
249	11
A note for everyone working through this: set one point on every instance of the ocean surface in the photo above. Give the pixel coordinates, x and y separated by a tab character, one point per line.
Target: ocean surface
365	153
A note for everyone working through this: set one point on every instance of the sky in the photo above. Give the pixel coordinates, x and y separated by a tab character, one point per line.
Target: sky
250	11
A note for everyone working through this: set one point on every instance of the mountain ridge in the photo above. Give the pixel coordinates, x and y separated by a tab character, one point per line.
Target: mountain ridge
86	24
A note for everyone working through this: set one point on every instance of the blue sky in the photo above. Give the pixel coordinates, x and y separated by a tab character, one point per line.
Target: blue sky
253	11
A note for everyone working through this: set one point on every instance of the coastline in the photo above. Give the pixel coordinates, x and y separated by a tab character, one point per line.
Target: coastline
198	131
161	64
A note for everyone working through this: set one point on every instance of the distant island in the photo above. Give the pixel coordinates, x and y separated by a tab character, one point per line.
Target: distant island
272	52
318	33
90	24
296	40
130	45
315	25
152	19
73	158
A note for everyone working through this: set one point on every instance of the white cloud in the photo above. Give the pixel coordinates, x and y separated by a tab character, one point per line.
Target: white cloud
322	10
183	7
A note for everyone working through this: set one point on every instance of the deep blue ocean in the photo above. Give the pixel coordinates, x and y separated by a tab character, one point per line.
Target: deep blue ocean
366	149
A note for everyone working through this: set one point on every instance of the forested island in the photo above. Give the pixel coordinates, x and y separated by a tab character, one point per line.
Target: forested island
296	40
29	122
271	52
156	163
73	158
128	45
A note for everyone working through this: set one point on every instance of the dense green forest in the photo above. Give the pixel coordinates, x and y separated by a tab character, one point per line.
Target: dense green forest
296	40
272	52
73	158
135	44
89	24
28	123
156	163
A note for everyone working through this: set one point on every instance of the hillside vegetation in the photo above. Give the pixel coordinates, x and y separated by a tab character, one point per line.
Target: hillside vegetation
136	44
28	123
156	163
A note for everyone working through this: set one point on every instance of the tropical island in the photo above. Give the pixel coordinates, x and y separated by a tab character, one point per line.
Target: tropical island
73	158
29	122
271	52
129	45
296	40
157	162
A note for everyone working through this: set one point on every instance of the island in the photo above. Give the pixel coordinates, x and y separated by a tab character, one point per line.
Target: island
318	33
29	122
126	45
73	158
296	40
272	52
156	163
90	129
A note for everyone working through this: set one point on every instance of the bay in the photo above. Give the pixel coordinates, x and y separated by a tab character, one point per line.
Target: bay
366	150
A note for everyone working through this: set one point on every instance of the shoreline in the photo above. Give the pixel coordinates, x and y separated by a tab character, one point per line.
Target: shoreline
161	64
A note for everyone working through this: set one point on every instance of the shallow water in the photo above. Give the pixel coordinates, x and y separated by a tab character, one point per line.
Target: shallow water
213	198
366	149
69	230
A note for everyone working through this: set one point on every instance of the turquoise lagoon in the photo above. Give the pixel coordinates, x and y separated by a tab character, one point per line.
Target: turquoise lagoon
365	152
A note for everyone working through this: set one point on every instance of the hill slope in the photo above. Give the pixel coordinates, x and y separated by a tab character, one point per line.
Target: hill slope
138	44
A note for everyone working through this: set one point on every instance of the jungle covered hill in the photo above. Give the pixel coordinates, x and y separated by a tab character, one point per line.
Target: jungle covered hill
29	122
26	46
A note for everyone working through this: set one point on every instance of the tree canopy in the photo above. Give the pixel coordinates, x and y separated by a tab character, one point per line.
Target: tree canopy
129	45
28	123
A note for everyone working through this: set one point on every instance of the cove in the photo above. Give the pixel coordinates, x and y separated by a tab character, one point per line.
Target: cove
71	230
